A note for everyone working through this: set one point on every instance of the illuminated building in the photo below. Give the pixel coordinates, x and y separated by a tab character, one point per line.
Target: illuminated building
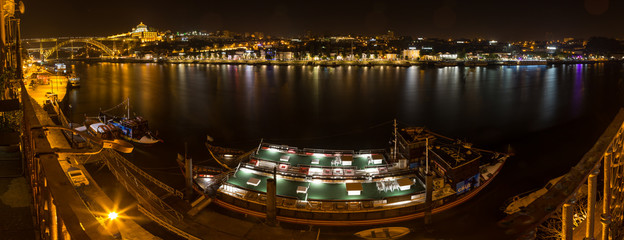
411	54
141	32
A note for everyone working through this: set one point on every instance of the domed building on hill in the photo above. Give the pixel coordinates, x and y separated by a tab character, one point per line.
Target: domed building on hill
141	32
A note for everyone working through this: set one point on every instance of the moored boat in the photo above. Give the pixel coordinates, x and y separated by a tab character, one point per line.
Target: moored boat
383	233
132	129
445	64
475	63
519	202
104	131
74	81
366	187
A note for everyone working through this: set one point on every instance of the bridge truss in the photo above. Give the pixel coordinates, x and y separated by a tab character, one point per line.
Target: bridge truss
97	44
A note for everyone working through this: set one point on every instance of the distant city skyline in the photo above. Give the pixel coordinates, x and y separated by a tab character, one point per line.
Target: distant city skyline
504	21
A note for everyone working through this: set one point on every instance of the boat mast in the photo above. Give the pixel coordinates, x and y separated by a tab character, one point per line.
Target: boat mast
395	139
128	108
259	146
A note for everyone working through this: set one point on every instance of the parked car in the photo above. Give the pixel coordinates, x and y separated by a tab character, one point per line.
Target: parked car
51	95
77	177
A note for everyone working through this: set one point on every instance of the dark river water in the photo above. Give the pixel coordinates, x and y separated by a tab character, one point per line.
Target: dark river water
548	115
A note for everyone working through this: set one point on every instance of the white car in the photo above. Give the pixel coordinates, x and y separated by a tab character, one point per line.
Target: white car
51	94
77	177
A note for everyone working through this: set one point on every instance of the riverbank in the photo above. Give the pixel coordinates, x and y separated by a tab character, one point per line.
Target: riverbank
336	63
57	87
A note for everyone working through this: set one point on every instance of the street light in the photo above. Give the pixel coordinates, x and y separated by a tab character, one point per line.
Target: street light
111	225
112	215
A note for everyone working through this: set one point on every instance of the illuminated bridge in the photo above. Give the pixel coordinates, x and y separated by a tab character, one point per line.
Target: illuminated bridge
46	48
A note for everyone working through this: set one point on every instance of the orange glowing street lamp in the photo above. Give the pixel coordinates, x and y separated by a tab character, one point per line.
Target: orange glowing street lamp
113	215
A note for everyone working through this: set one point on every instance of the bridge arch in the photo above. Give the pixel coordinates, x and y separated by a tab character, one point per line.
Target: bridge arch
95	43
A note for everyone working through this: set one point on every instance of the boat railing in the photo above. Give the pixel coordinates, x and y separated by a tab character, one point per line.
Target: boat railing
372	151
296	150
327	151
357	174
604	159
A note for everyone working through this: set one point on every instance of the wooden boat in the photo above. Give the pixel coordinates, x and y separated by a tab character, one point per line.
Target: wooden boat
133	129
104	131
74	81
519	202
383	233
352	183
445	64
206	179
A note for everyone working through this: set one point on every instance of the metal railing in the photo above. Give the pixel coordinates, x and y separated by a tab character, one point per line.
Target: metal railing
58	210
155	181
165	224
605	158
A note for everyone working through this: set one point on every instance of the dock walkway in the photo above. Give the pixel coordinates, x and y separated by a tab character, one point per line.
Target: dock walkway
91	194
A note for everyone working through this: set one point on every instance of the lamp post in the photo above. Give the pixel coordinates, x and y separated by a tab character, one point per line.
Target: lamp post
70	125
18	46
111	225
2	36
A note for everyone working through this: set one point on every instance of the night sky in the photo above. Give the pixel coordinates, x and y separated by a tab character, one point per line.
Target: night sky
500	19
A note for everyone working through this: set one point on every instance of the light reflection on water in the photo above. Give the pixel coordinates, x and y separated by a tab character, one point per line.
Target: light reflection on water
312	106
241	104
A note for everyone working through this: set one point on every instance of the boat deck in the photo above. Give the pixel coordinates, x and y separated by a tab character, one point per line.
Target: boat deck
318	190
359	161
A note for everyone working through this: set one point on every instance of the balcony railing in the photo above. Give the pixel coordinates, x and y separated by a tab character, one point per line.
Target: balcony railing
602	165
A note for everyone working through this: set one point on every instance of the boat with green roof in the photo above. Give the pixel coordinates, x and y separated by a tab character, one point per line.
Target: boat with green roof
348	187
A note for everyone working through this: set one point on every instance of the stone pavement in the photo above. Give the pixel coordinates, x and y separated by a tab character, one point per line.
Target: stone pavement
58	86
16	220
92	193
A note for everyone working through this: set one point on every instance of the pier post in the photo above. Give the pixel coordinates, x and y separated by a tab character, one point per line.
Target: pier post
188	171
566	228
605	217
428	197
18	50
3	53
53	220
591	205
270	203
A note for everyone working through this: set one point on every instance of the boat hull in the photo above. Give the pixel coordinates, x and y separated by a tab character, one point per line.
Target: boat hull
143	140
383	233
443	204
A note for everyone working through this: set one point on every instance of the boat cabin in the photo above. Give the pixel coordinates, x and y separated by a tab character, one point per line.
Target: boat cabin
133	128
458	164
104	131
411	145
